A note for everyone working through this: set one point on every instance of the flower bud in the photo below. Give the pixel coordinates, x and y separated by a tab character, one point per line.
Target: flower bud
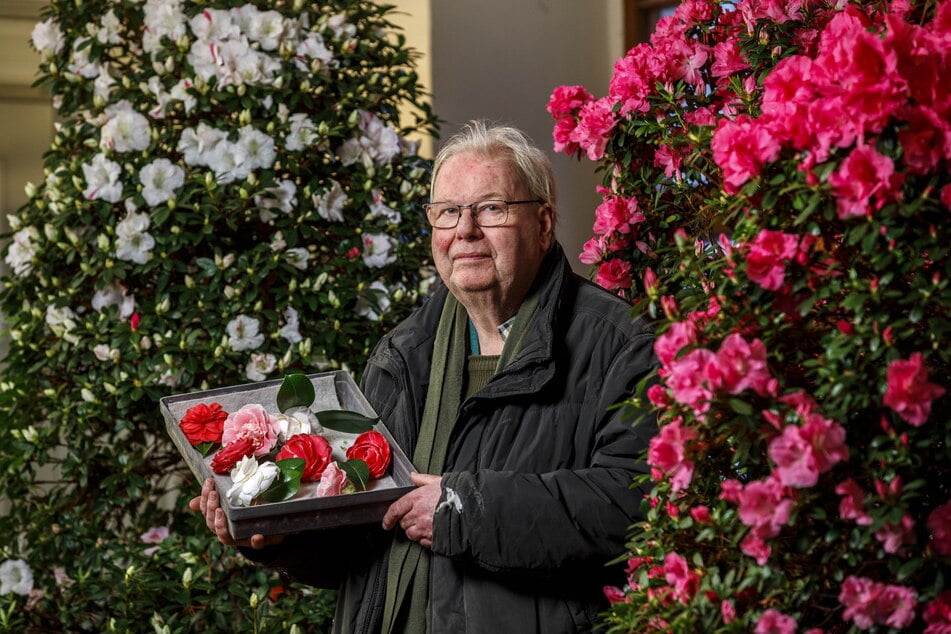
187	577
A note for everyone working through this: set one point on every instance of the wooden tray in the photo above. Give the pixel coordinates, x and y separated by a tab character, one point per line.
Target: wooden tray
334	390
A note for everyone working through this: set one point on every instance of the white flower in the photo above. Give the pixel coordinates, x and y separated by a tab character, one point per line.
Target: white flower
61	322
341	28
22	251
103	84
379	210
15	577
243	333
291	330
126	130
114	295
375	302
280	198
312	48
133	242
47	38
297	257
267	28
213	25
103	352
160	179
298	420
200	145
229	162
378	144
330	205
109	29
258	147
102	179
80	64
301	133
162	18
250	480
378	250
260	365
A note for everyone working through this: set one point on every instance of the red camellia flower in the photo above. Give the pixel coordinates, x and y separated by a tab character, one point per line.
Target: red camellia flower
203	423
373	449
229	455
313	449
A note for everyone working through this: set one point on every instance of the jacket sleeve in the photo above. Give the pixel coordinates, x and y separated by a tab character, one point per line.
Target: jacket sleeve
562	519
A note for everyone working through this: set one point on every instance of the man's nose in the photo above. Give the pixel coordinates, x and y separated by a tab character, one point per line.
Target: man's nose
467	225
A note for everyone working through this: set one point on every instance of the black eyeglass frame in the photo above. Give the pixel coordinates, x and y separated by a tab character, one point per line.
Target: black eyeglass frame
475	218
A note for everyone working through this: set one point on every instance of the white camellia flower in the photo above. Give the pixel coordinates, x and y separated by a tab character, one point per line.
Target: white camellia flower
102	179
301	134
61	321
162	18
103	352
80	63
291	329
378	209
16	577
126	130
374	302
330	205
250	479
244	333
133	242
379	250
257	146
298	420
160	179
47	38
260	365
280	198
22	250
114	295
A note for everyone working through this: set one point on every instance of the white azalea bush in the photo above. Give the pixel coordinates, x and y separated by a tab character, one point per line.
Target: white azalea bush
231	195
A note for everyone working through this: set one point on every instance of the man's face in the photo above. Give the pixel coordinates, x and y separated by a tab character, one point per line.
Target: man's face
489	266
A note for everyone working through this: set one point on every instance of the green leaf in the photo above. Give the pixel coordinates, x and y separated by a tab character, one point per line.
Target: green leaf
357	472
347	421
288	484
741	407
205	448
296	391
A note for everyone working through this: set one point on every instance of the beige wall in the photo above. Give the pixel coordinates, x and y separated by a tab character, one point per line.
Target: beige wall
494	59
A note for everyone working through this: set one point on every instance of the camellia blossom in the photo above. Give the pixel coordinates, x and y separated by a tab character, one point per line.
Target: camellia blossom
595	122
379	249
741	148
371	447
614	274
767	257
251	421
667	454
160	179
314	450
908	391
250	479
203	423
16	577
244	333
298	420
102	179
332	481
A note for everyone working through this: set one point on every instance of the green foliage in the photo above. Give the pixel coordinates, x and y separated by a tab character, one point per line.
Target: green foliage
292	242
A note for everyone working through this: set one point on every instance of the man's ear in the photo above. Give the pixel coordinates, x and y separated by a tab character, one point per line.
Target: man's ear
546	225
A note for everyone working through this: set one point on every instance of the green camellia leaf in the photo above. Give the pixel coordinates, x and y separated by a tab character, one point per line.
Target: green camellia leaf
295	391
288	484
205	448
357	472
347	421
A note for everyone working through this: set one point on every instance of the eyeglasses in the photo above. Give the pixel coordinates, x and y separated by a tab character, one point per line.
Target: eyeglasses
485	213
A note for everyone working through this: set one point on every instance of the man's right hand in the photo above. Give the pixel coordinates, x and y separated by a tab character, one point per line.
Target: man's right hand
208	505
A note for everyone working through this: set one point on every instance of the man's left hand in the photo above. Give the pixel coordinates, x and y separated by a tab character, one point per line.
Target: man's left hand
414	511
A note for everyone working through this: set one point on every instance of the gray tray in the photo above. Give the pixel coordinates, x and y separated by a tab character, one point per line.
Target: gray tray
334	390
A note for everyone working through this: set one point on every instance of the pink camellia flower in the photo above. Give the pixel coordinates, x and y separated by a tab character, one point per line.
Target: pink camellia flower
252	422
616	214
908	391
741	365
667	454
852	504
684	581
863	175
762	504
614	274
767	257
332	481
740	149
679	335
595	122
939	523
689	379
775	622
869	603
565	101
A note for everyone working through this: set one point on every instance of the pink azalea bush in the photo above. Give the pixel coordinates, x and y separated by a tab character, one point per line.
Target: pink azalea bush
777	198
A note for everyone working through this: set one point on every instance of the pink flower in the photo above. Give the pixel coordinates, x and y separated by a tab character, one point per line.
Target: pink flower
908	391
614	595
689	379
728	59
852	504
634	77
684	581
728	612
946	197
595	122
254	423
863	175
869	603
802	453
565	101
894	536
614	274
667	453
754	546
679	335
741	148
700	514
762	504
332	481
767	257
155	535
939	523
775	622
741	365
616	214
937	614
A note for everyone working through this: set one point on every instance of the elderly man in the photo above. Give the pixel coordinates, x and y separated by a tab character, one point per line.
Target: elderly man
501	389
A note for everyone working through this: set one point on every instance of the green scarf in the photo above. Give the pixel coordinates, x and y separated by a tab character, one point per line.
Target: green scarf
408	564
